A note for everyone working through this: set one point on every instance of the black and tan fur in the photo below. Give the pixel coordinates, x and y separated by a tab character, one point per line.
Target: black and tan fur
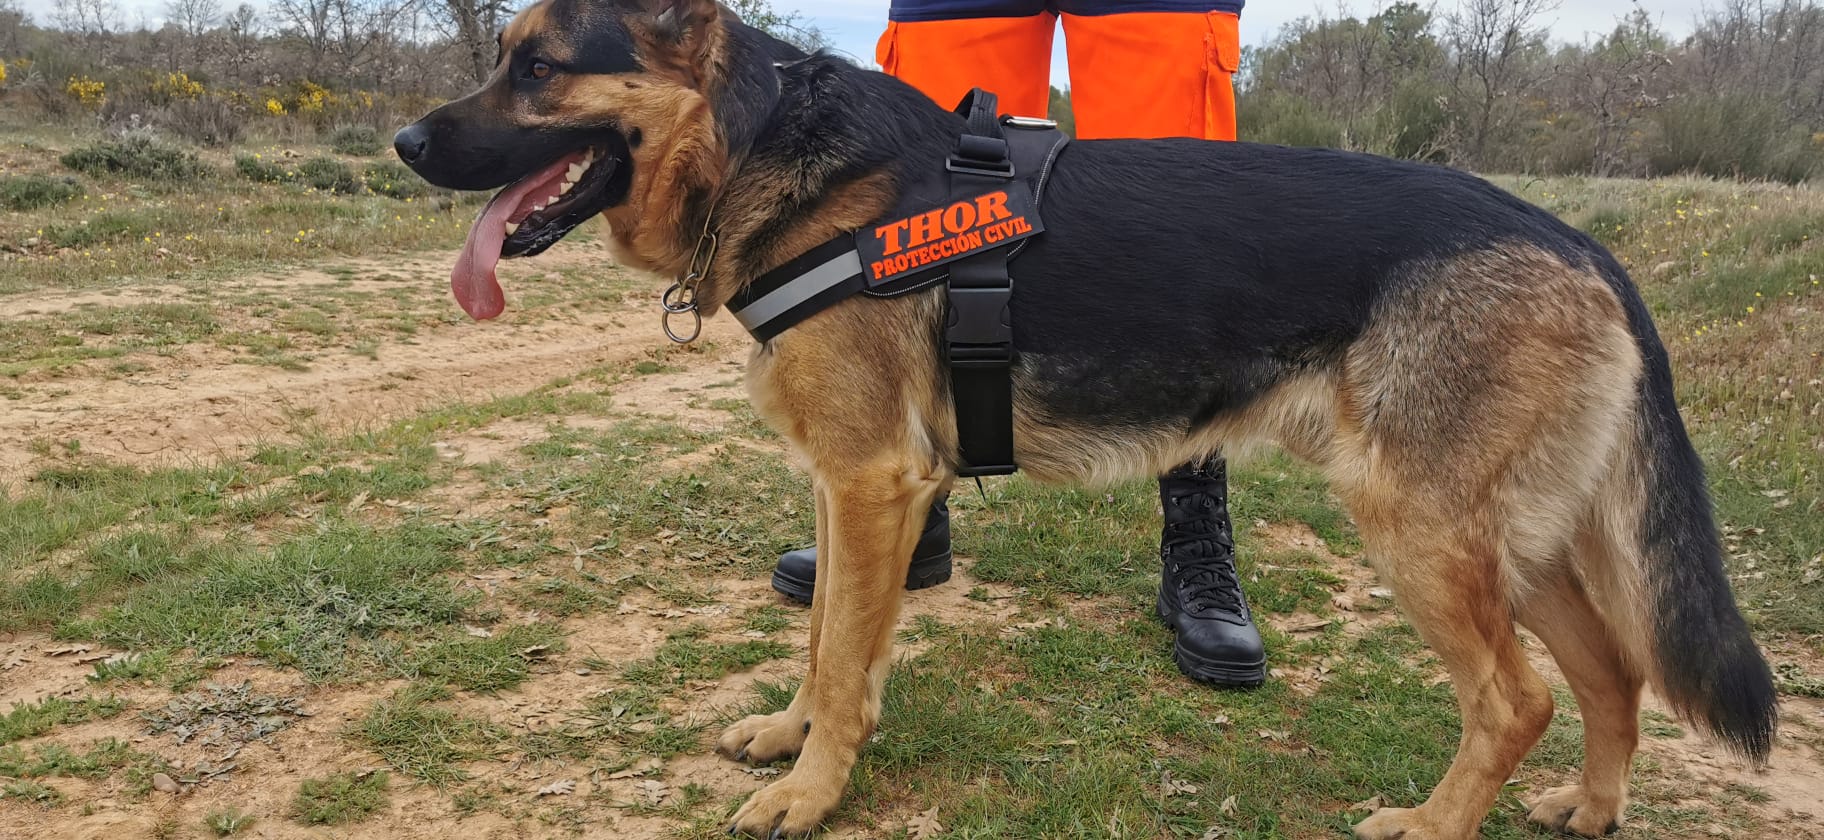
1480	383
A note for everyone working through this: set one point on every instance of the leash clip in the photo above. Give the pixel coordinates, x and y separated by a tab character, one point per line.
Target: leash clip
682	296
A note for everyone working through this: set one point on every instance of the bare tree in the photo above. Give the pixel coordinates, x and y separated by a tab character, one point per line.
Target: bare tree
193	17
13	21
1495	44
1616	82
86	17
475	22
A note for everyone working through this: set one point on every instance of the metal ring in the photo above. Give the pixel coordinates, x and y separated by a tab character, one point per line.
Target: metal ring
696	325
685	301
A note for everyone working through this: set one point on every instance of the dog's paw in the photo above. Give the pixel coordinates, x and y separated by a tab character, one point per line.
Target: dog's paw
790	807
1570	810
764	739
1396	824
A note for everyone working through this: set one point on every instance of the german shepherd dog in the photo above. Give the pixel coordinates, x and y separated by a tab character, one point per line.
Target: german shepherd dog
1480	383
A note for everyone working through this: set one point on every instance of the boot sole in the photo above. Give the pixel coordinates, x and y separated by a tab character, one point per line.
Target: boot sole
1210	671
925	573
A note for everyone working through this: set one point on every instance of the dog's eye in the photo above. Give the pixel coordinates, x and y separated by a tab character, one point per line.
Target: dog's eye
538	70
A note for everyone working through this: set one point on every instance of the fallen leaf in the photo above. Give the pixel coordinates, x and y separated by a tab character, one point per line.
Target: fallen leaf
535	652
655	791
477	632
1372	803
924	825
1380	592
65	651
1178	787
1228	806
1306	625
1343	601
1274	734
639	769
760	772
561	787
1216	832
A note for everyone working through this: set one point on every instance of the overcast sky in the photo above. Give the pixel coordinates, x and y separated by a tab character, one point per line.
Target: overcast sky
854	25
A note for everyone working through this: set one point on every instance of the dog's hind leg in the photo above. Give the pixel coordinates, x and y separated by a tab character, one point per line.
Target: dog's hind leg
1607	687
764	739
874	516
1450	587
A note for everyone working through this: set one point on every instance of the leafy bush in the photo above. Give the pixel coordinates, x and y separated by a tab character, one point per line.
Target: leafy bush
1734	137
393	180
136	156
329	175
103	228
357	140
254	168
29	192
209	121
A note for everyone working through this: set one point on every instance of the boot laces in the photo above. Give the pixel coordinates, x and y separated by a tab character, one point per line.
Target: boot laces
1201	553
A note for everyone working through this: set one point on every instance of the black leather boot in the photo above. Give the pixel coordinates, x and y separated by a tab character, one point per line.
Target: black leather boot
796	577
1199	593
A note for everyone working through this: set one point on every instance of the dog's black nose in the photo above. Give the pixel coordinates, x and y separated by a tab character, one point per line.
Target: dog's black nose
411	141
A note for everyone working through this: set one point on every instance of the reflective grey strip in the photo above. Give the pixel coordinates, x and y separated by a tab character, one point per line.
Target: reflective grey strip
806	286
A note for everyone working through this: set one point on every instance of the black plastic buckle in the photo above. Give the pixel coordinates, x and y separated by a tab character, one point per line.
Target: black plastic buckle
996	169
979	155
980	316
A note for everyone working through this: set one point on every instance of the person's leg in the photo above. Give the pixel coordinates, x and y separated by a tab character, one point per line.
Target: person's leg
944	48
1153	68
1163	68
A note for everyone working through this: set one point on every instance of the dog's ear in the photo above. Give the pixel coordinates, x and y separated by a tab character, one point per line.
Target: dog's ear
677	20
684	33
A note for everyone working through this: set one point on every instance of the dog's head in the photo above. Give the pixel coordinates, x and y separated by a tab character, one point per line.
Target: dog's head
585	95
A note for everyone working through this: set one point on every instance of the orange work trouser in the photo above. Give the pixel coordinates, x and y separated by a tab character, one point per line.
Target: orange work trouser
1132	74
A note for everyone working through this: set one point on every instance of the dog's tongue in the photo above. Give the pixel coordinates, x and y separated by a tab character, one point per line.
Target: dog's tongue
473	280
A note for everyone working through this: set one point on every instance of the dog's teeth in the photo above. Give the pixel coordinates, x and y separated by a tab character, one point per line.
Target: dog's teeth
512	227
537	207
576	172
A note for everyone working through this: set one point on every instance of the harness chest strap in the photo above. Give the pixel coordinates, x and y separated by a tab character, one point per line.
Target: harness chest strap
962	227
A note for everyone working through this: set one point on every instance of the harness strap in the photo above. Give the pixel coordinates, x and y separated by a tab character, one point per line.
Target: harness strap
979	339
812	282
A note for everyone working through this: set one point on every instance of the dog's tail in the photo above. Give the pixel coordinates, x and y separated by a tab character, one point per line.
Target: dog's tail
1708	666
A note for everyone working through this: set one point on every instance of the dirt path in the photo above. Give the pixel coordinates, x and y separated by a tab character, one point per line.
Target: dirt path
201	403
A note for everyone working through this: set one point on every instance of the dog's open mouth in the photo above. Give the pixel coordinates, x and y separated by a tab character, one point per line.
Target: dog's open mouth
528	216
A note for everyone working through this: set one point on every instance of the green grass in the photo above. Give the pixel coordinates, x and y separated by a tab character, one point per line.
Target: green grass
423	740
30	192
337	799
317	603
28	720
687	655
495	663
47	760
228	822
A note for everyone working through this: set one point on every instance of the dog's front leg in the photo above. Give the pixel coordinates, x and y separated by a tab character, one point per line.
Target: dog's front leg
870	518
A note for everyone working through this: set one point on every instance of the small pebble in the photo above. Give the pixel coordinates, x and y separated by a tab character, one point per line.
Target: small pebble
162	782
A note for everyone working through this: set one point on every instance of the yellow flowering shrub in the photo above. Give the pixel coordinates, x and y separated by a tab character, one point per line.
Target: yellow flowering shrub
275	107
89	92
178	85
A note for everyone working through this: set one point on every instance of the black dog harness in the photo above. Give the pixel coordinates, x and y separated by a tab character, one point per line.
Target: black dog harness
963	226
